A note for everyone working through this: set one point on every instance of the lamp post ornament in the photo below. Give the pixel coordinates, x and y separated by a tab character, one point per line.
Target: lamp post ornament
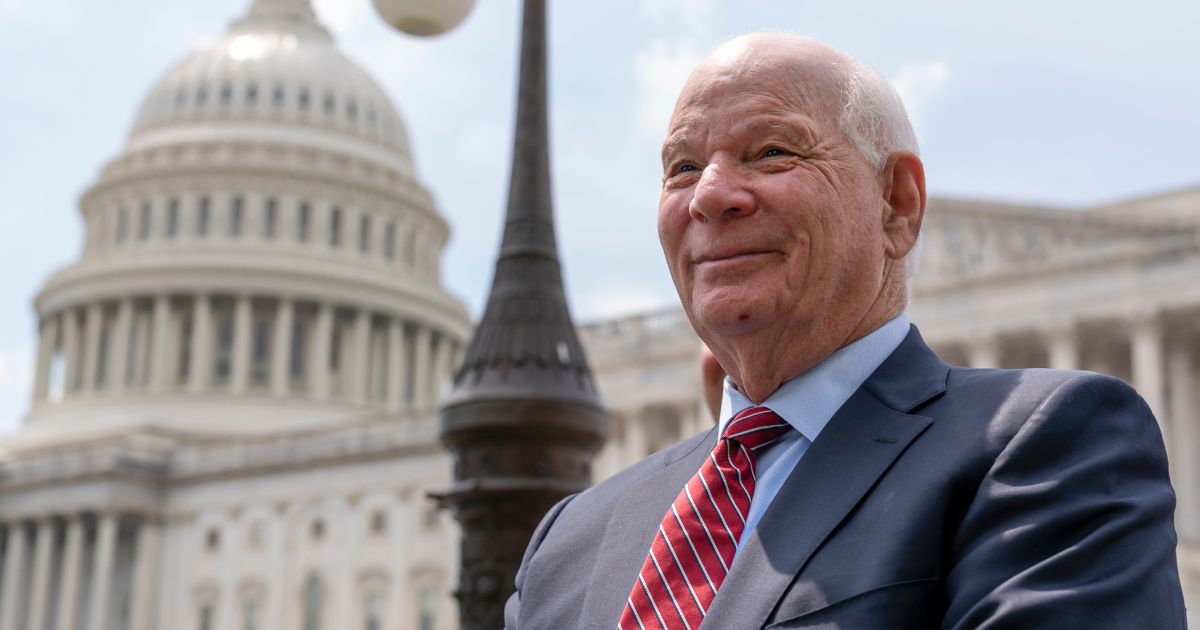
524	418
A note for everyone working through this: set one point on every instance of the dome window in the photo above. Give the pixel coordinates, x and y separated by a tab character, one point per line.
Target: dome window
303	99
122	225
277	96
180	98
144	225
364	234
201	96
270	218
173	218
303	217
352	111
389	241
330	104
226	93
236	217
371	121
203	216
335	227
252	94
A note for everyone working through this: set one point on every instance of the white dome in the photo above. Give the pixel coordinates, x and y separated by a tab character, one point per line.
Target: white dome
276	65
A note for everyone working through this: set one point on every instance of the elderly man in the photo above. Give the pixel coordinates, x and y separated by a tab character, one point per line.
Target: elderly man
854	480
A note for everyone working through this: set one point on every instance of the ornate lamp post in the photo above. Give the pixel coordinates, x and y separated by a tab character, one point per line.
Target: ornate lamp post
524	419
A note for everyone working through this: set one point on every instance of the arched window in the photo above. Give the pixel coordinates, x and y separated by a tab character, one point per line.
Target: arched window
313	602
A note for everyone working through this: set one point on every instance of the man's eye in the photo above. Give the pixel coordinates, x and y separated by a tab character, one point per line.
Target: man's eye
685	168
774	152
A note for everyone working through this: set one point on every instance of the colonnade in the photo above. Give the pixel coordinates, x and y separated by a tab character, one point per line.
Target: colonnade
241	343
64	572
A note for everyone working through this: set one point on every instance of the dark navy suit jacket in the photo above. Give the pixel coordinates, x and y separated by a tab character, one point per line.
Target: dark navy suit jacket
936	497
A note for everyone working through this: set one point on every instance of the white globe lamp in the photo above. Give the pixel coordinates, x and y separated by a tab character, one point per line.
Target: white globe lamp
424	18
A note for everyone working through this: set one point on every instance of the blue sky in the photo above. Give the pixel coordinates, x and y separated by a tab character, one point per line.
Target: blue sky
1066	102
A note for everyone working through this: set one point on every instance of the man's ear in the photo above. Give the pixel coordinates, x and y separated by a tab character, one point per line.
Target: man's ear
904	202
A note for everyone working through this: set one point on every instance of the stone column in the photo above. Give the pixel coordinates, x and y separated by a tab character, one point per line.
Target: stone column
319	366
14	588
397	375
160	345
243	333
984	352
145	574
102	571
442	360
38	600
72	350
200	365
423	366
122	330
361	355
1063	342
1147	347
281	347
91	346
68	590
47	341
1184	447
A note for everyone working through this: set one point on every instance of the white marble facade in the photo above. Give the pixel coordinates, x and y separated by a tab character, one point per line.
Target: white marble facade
233	418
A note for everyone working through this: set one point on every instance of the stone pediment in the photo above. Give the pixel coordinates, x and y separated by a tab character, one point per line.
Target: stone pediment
968	242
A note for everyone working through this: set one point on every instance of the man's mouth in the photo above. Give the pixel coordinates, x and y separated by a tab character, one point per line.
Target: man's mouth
731	257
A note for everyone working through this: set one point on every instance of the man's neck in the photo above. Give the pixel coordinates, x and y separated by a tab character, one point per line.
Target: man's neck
759	366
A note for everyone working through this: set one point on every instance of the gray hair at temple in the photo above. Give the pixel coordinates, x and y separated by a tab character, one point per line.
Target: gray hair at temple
873	116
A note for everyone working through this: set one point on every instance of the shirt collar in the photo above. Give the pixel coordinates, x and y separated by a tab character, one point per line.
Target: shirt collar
808	401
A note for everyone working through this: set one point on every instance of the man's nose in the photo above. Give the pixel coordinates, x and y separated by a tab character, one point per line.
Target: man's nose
721	194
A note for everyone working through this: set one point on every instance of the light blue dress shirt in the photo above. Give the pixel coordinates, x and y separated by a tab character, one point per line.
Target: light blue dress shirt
807	402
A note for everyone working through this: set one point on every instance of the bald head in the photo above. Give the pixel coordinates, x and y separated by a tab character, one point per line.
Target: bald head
821	78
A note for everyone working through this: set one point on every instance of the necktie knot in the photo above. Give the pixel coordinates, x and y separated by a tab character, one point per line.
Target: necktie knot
755	428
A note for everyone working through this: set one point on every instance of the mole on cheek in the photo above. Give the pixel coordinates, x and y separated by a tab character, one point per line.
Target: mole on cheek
743	317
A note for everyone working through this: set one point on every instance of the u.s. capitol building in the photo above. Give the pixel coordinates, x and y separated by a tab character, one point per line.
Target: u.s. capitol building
233	422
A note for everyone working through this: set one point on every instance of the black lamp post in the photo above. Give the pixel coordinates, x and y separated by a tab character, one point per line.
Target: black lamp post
524	418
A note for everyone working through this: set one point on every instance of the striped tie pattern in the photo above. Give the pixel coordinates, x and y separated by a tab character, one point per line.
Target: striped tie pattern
695	544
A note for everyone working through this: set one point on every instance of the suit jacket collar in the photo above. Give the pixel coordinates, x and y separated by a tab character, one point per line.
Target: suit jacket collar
857	447
871	430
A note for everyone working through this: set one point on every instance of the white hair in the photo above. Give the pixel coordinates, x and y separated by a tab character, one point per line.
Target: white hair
874	119
873	116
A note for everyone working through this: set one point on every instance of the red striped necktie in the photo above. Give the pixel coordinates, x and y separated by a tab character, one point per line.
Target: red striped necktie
695	544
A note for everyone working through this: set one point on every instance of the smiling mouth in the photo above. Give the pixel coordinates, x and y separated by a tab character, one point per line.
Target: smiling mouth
732	258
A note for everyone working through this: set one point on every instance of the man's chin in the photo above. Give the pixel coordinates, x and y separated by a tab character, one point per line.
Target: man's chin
729	318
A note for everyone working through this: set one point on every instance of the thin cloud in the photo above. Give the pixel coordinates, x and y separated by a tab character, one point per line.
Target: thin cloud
661	70
38	12
920	86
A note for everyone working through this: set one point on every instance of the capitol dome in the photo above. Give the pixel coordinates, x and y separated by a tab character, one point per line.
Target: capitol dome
259	256
275	74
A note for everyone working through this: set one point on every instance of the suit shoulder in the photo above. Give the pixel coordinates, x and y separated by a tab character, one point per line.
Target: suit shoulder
614	487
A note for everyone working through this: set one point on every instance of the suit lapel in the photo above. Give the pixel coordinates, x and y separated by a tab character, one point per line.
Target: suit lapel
631	529
856	448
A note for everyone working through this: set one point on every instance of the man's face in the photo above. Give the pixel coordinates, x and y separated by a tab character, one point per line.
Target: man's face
769	218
